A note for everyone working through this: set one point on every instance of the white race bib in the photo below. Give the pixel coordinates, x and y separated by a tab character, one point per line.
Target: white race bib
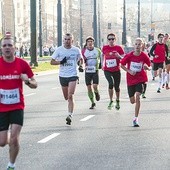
111	63
136	67
90	69
9	96
69	63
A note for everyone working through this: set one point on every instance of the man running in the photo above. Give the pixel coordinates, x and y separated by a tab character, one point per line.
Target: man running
13	71
133	63
112	55
159	51
68	57
92	59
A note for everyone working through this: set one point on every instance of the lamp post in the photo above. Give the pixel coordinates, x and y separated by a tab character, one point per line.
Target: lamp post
124	24
33	34
81	27
59	21
138	28
40	29
95	23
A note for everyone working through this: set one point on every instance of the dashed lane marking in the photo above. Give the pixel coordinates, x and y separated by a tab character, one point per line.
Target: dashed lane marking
48	138
30	94
87	118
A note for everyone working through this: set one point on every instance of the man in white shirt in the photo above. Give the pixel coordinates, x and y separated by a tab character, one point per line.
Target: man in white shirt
68	57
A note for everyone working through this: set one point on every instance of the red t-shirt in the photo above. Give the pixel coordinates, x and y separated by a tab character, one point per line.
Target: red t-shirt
11	87
110	61
135	63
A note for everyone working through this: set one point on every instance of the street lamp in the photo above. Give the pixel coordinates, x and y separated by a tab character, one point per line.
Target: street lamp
95	23
40	29
59	21
124	24
81	27
138	28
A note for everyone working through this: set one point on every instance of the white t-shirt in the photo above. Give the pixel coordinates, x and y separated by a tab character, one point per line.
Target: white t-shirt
73	55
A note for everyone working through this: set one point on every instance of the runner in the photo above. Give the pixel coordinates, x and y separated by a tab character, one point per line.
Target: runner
13	71
112	54
133	63
92	59
67	56
159	51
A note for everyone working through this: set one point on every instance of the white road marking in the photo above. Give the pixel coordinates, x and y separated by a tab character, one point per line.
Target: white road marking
48	138
55	88
87	118
30	94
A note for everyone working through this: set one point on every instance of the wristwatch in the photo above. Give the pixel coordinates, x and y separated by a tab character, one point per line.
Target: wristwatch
27	82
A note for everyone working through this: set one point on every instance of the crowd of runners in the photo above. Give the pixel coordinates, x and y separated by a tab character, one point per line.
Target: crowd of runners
110	59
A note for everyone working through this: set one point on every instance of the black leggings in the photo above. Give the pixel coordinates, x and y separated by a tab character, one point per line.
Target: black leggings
113	79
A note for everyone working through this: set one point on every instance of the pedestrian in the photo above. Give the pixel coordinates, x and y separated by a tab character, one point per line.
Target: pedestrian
112	54
159	51
134	63
13	71
68	57
92	60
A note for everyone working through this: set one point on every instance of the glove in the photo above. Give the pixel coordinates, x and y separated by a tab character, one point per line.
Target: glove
64	60
81	69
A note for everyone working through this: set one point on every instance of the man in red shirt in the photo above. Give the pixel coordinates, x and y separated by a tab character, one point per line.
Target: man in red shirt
13	71
133	63
159	51
112	54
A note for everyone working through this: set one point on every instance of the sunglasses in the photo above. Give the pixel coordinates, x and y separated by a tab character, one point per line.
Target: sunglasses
9	45
111	39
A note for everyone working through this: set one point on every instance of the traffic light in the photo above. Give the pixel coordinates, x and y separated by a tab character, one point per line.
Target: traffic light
150	37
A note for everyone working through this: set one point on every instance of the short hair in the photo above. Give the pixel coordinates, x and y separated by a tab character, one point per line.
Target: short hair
89	38
160	34
69	35
111	34
140	39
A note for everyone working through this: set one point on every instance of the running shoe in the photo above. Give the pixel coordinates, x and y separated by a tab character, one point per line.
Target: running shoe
97	95
159	90
153	79
117	105
163	85
143	95
110	105
167	87
92	106
135	123
10	168
68	120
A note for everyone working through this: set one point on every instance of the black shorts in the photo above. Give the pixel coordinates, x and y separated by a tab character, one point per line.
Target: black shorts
92	77
64	81
135	88
167	61
156	66
11	117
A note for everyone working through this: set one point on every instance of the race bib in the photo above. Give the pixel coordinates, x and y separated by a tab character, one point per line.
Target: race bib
9	96
136	67
69	63
111	63
90	69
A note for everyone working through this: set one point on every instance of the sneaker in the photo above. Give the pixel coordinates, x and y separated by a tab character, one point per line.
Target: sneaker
135	123
68	120
159	90
10	168
167	87
97	95
143	95
153	79
92	106
163	85
117	107
110	105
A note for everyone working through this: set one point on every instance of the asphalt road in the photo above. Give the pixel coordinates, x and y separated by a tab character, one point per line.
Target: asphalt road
98	139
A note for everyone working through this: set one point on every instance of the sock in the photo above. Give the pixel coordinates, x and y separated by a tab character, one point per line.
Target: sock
160	82
70	114
135	118
91	96
12	165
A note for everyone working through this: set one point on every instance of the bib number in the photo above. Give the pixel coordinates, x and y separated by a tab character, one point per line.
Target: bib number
137	67
9	96
111	63
90	69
